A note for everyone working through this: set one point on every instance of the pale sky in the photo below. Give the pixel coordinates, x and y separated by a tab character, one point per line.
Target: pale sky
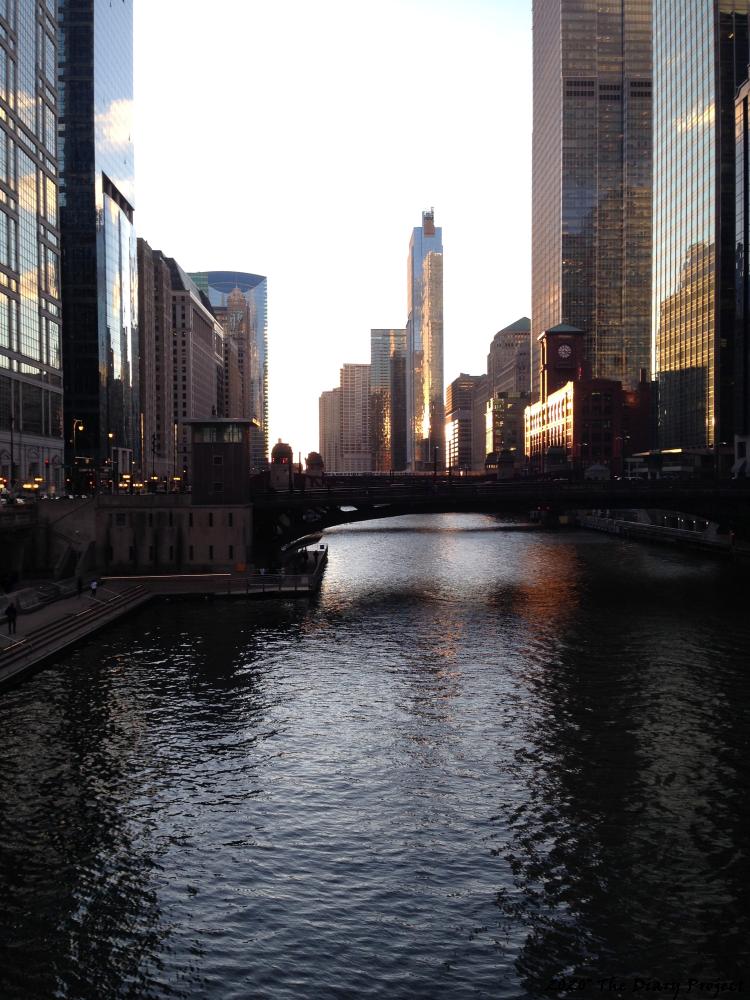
301	139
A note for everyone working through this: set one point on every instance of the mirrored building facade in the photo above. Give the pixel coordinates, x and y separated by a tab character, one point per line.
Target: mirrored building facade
591	180
248	325
31	416
424	346
700	58
100	271
388	400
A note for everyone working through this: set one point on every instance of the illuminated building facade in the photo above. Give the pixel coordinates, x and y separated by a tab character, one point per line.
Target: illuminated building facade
700	58
424	345
99	255
581	421
240	301
329	429
356	454
31	401
388	399
459	421
591	179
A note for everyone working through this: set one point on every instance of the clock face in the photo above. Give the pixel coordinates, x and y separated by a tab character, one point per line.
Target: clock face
564	351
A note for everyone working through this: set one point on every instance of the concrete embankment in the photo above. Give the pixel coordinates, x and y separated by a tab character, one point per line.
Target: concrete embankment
58	626
697	536
51	629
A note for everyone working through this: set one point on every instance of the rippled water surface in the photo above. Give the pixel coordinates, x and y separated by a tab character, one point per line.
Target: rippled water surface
479	762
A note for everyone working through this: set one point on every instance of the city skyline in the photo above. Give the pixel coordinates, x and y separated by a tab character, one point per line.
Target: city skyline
299	218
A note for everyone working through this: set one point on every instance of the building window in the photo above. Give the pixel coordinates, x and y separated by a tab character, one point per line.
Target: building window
218	459
231	551
230	519
131	554
190	553
120	520
218	488
151	552
211	519
150	520
171	519
171	553
190	520
210	553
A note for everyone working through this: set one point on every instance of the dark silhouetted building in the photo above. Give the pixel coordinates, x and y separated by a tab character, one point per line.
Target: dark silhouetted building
98	243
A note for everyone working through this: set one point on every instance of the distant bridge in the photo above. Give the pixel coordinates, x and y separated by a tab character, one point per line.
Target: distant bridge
281	517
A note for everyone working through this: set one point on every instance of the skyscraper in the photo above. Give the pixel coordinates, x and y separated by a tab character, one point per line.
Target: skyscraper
508	360
424	346
388	399
700	58
591	180
99	261
249	327
31	414
356	455
329	429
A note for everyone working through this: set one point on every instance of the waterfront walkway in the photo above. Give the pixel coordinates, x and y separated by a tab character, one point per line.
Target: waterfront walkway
49	629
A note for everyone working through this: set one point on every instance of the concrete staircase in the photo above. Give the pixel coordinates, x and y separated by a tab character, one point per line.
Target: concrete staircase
44	642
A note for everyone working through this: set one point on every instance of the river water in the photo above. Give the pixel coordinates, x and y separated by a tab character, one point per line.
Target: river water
480	763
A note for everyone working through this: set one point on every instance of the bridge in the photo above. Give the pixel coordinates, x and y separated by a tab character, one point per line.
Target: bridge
284	516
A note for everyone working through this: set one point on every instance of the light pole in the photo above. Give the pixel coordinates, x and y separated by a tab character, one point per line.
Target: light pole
77	426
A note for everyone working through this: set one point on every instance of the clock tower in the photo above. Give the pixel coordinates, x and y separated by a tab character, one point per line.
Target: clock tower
561	358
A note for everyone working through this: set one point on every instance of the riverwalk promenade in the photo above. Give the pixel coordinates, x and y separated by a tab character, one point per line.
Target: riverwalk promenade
49	629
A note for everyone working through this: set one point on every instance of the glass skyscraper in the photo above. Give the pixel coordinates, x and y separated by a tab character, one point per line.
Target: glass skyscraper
388	399
425	411
591	180
31	421
700	58
219	286
99	272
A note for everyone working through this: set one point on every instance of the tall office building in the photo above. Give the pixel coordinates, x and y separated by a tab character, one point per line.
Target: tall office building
508	361
424	336
591	179
198	369
157	356
388	399
31	414
99	262
700	58
248	326
356	455
459	421
329	429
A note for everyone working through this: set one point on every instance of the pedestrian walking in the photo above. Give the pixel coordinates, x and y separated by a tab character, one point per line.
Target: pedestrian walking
79	586
11	613
93	585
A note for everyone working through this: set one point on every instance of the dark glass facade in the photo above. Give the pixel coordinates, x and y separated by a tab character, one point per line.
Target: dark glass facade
218	286
31	420
99	273
700	57
591	180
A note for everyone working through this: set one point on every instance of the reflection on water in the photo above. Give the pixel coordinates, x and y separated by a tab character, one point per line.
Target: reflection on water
478	762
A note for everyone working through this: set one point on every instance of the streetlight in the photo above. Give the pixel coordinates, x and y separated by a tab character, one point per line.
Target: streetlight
77	426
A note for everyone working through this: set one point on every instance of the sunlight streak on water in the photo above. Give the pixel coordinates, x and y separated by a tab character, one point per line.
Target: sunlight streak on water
477	760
